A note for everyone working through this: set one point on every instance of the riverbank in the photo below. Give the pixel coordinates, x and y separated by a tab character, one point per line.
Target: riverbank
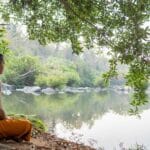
43	141
36	90
40	139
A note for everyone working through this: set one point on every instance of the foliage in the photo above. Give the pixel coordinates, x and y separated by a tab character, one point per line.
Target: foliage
52	80
36	122
73	78
139	82
20	70
117	25
58	73
55	72
86	73
3	42
99	81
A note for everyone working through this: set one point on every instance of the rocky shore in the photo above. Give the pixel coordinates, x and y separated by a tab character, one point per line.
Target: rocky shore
36	90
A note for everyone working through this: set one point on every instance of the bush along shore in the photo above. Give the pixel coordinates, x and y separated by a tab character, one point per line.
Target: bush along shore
40	139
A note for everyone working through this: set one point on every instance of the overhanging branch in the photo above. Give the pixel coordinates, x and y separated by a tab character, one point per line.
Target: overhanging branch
68	7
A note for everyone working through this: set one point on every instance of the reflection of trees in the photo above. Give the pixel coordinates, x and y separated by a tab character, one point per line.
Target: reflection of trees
71	109
91	106
19	103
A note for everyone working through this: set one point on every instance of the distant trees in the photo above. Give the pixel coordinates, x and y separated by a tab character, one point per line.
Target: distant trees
56	72
58	66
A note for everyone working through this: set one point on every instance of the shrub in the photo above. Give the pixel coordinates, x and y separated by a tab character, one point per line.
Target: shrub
86	74
58	73
99	82
20	70
51	80
73	78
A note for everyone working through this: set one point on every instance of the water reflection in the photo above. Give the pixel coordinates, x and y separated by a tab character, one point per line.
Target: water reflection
79	112
72	109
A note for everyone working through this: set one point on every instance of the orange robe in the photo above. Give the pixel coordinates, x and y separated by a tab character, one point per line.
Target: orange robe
15	128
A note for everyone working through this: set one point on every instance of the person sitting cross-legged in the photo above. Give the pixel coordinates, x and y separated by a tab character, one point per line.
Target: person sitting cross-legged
10	128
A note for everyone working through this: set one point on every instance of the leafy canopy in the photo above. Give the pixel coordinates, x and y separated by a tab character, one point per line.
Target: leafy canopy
117	25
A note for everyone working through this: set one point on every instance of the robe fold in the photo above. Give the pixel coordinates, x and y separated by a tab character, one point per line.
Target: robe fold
15	128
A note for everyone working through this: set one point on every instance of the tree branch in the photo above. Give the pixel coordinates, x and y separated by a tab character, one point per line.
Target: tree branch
25	74
68	7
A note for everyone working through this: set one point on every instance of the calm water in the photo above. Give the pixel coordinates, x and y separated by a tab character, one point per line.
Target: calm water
99	119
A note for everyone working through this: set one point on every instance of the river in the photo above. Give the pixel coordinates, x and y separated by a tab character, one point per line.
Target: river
98	119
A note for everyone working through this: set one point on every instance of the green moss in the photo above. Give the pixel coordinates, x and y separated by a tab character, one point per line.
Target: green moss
36	122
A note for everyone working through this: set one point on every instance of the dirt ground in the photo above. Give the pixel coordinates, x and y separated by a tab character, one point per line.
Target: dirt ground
44	141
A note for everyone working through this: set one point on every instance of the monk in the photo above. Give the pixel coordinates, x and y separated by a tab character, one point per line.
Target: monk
10	128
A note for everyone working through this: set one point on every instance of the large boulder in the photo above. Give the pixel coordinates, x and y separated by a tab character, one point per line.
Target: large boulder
49	91
73	90
30	89
7	89
6	86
